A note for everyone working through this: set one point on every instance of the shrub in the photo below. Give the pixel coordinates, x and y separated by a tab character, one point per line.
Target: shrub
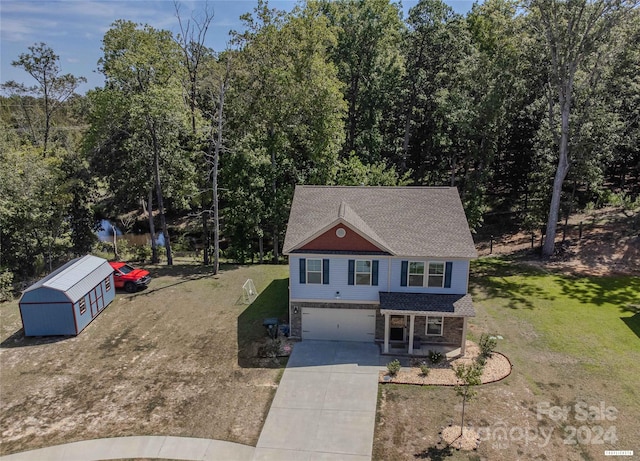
424	370
143	253
394	367
6	286
487	345
435	356
273	348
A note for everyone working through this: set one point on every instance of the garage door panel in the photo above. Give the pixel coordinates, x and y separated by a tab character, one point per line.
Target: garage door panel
338	324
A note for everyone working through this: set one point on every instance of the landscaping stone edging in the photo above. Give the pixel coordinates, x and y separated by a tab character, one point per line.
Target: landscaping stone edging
398	378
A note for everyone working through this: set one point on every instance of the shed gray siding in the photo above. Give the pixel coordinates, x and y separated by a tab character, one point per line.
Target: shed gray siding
43	319
51	306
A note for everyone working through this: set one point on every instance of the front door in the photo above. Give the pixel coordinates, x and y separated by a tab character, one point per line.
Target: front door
397	325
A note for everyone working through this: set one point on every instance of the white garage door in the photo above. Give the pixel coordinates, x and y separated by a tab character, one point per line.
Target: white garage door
338	324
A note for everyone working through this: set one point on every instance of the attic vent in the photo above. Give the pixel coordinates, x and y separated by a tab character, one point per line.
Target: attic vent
342	210
340	232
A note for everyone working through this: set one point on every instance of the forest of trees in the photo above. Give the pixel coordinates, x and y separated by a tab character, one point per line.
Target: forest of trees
530	108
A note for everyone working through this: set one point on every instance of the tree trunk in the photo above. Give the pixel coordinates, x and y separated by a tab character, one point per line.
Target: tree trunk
159	197
47	117
216	163
205	232
152	229
464	400
405	143
561	171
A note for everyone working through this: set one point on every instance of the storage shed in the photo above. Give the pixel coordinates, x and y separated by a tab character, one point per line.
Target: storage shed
68	299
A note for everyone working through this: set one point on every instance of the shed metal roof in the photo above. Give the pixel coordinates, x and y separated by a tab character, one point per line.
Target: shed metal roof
75	278
407	221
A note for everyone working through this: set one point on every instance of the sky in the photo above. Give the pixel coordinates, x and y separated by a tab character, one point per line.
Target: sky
74	28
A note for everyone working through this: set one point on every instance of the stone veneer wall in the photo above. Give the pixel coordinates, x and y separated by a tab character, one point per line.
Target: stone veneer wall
296	319
451	330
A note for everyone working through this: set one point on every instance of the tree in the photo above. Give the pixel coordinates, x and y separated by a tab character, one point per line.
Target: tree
286	109
577	36
54	89
142	67
369	63
193	33
33	210
468	377
428	46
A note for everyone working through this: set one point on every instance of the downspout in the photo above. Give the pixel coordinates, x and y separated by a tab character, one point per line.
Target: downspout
389	274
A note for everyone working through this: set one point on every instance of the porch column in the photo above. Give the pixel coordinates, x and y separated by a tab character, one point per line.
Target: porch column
464	335
386	333
412	325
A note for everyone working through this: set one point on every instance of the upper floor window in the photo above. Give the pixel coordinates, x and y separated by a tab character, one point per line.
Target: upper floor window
363	272
416	274
436	275
314	271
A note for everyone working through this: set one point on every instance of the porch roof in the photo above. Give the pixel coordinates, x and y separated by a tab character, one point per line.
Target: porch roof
451	305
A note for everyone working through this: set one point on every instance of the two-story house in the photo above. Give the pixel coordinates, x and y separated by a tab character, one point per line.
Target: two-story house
385	264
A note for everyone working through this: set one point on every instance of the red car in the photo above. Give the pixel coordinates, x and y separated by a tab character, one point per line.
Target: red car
128	277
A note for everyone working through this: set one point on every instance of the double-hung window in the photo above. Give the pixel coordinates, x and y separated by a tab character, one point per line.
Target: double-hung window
314	271
434	326
435	276
416	274
363	272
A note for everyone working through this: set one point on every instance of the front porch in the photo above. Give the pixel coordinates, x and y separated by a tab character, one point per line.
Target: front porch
415	323
400	350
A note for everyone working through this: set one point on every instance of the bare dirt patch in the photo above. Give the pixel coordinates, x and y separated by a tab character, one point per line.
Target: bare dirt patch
461	439
164	361
599	243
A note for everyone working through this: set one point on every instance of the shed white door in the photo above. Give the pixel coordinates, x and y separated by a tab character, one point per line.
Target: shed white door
338	324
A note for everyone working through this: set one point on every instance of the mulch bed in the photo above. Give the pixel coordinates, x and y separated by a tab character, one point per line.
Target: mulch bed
496	368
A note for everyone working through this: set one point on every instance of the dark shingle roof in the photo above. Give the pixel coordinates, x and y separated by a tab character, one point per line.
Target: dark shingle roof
406	221
459	305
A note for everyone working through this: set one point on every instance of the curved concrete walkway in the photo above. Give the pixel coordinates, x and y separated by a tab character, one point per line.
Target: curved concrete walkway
165	447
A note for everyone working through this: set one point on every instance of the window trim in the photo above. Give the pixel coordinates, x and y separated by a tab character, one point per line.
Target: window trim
409	273
320	271
426	327
429	275
356	272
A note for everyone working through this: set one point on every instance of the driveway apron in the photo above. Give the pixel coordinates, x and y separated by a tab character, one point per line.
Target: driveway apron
325	405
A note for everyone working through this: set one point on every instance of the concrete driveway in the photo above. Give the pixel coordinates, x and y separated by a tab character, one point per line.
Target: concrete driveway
325	406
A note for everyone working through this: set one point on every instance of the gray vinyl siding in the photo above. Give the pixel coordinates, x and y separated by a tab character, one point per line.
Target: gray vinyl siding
339	280
338	270
459	277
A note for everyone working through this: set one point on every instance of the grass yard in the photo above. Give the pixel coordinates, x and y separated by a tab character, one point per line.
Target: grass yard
573	393
174	359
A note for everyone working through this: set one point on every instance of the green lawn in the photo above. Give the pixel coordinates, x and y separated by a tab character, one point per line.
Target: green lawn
596	320
572	341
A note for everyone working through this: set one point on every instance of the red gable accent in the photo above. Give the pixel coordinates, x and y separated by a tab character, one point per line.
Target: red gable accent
329	241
